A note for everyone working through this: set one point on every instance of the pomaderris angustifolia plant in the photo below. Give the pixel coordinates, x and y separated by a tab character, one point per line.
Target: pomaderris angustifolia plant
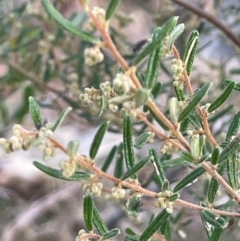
130	96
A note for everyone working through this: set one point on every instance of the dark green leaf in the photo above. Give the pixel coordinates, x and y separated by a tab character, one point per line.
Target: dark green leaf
109	159
158	120
177	162
232	170
230	148
174	197
110	234
67	24
191	50
88	212
77	176
216	234
189	178
135	168
158	166
215	155
213	185
197	97
128	143
228	82
98	222
187	156
131	238
118	170
111	9
156	223
167	28
133	205
60	118
166	230
212	219
34	110
129	231
222	98
142	140
156	89
98	139
153	63
234	126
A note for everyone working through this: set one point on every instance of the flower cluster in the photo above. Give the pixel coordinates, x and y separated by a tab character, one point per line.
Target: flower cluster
99	13
129	107
69	167
93	188
122	83
73	86
151	136
163	201
177	67
93	56
46	146
44	45
118	192
20	140
168	148
81	234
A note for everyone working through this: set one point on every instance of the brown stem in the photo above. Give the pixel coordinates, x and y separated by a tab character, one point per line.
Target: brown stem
138	188
200	112
220	180
209	17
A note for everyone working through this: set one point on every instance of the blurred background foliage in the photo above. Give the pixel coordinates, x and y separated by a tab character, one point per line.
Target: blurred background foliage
38	58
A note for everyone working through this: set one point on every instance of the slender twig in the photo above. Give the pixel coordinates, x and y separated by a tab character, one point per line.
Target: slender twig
209	17
200	112
220	180
138	188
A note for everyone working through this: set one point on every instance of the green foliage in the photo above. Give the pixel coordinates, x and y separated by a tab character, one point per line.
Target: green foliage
73	64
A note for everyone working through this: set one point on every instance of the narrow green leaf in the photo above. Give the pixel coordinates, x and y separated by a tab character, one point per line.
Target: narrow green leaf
67	24
135	168
197	97
158	166
187	156
194	121
175	33
216	234
111	9
133	205
177	162
97	140
131	238
158	120
142	140
165	185
110	234
179	93
212	219
232	170
72	148
228	82
222	98
77	176
167	28
109	159
189	178
34	110
215	155
156	223
230	148
128	143
88	212
156	89
118	170
191	50
166	230
153	65
129	231
213	185
234	127
98	222
174	197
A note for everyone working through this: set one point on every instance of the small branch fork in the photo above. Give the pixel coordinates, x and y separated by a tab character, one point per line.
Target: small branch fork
144	191
108	43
